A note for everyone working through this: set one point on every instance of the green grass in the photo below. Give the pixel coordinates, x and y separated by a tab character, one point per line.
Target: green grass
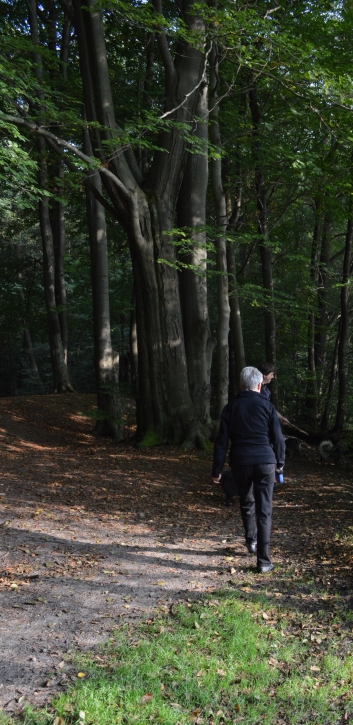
233	657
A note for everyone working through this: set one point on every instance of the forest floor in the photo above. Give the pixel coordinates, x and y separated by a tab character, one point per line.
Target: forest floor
94	534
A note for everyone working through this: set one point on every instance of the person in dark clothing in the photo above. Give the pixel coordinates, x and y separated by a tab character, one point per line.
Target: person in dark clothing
268	372
257	449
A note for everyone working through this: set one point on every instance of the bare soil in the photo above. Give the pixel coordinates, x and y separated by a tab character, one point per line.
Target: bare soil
94	533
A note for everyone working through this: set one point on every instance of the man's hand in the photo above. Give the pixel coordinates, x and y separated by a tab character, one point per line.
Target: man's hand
218	479
279	469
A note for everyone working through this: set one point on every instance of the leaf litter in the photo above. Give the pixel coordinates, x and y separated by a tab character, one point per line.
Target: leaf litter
70	521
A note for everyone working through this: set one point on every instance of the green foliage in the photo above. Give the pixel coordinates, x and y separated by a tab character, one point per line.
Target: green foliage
149	440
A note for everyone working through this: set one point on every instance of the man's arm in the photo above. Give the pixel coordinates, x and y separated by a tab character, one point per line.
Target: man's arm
221	444
276	438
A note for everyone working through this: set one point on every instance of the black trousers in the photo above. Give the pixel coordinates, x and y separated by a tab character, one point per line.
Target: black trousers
255	486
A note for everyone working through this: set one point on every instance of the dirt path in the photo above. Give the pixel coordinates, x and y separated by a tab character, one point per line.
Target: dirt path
93	533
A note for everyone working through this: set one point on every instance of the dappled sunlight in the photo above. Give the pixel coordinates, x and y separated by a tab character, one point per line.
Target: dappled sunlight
95	533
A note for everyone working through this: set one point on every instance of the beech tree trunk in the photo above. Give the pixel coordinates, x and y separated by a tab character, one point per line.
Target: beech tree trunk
236	342
60	372
236	329
262	229
344	327
31	357
133	347
311	401
109	422
193	282
324	424
321	322
221	244
57	220
165	409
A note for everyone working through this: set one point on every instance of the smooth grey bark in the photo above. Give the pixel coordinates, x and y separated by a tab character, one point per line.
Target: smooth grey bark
262	229
57	220
165	410
133	346
344	325
311	400
321	320
31	357
191	208
60	372
324	423
109	421
220	242
236	342
58	210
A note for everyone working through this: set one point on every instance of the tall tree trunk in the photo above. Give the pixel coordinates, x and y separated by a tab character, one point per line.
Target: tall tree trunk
344	326
31	357
236	342
333	376
165	410
262	229
193	282
311	400
235	319
58	209
133	346
109	421
321	323
57	220
13	366
221	244
60	372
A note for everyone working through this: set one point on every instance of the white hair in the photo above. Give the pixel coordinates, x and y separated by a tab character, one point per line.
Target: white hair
250	378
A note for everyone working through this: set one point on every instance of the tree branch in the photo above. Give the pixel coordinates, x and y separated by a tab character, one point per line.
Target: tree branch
41	131
85	180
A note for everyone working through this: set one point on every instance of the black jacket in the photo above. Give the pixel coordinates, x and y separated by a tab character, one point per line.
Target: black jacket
266	392
251	423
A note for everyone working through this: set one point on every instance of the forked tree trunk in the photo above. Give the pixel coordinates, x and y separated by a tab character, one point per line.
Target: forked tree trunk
344	327
165	410
221	244
60	372
193	282
262	229
109	422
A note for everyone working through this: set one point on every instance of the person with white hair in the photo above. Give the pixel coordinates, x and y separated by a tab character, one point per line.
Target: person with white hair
250	422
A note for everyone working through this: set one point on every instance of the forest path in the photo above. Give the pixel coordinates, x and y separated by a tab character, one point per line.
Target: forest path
94	533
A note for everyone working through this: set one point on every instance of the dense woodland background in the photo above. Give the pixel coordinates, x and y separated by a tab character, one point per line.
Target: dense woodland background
176	200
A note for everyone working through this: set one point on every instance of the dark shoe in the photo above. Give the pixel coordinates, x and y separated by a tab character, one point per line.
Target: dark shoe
252	547
265	569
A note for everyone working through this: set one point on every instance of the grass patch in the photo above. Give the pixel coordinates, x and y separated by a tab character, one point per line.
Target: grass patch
230	658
